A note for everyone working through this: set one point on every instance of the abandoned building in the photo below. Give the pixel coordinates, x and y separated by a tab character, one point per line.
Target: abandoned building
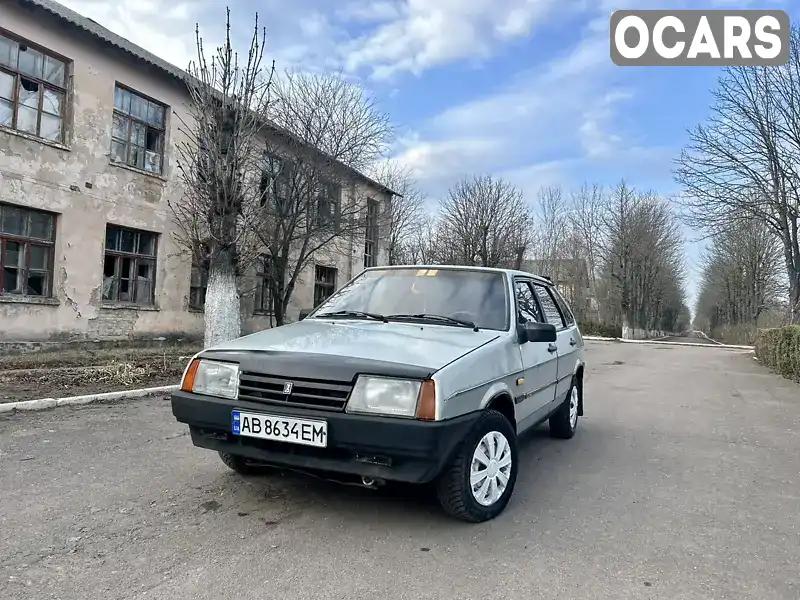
87	167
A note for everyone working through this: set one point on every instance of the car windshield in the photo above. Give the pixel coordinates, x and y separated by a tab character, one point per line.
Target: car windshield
476	297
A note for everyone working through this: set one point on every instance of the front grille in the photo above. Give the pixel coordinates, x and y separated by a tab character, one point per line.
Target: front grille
307	393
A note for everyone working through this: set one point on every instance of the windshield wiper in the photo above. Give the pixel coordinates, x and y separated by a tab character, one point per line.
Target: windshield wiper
354	313
437	318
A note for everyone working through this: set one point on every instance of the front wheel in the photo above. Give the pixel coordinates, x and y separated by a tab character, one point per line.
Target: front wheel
478	484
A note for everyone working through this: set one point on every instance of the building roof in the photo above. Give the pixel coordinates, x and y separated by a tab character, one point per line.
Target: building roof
99	33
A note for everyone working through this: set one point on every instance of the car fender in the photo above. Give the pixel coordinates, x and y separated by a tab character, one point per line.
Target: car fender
494	390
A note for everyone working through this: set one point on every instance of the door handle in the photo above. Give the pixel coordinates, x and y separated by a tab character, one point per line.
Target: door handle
572	341
552	348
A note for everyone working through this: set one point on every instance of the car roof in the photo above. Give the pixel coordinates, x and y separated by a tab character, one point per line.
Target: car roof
511	272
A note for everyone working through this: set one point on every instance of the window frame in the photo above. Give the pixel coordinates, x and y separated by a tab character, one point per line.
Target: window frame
135	256
318	283
202	271
279	184
27	241
517	312
334	199
371	233
131	119
543	286
263	281
44	84
564	307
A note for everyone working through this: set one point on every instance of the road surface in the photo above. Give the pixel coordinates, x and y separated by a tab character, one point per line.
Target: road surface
681	483
690	337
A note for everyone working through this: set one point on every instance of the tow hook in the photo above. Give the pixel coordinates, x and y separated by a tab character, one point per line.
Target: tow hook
372	482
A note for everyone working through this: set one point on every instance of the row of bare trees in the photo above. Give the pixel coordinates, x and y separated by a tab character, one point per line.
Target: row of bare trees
616	254
742	283
741	179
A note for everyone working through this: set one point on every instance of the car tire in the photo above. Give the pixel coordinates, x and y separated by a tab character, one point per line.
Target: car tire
564	422
455	489
240	464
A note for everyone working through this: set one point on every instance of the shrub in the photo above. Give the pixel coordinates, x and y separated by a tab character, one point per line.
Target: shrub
779	349
600	329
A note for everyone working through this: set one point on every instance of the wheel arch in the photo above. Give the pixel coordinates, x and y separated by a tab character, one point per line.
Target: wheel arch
579	371
504	404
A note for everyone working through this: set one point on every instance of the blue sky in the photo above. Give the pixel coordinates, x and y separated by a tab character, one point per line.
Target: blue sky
523	89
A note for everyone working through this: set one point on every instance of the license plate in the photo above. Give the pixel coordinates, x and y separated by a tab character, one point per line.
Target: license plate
280	429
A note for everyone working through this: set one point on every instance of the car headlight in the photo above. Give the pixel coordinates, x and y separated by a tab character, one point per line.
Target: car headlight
384	396
212	378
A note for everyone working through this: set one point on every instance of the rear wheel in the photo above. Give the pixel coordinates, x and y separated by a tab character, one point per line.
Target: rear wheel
564	421
478	483
241	465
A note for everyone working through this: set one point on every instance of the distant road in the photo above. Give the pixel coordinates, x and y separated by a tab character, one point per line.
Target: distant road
691	337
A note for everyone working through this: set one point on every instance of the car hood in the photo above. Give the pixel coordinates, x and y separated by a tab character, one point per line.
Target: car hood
422	345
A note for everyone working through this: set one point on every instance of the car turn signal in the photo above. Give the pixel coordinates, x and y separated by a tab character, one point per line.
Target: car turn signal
426	407
187	385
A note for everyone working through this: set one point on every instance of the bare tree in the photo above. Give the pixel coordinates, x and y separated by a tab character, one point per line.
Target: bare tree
220	133
742	163
312	206
405	221
643	262
484	221
741	280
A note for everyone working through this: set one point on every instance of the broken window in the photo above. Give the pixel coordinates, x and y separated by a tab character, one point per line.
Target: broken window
264	303
129	267
137	131
32	90
198	285
324	284
328	205
26	250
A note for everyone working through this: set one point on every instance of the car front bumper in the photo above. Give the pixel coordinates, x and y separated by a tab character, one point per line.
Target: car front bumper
387	448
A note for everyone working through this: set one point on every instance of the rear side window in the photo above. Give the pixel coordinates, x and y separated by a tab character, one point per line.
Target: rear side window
549	306
569	318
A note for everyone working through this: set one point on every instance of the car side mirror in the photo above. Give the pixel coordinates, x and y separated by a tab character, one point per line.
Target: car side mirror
304	312
533	331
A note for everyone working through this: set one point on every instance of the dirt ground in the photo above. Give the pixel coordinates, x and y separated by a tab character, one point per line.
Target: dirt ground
77	371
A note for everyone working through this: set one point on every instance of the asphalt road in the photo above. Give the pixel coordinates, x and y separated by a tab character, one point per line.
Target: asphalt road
682	482
690	337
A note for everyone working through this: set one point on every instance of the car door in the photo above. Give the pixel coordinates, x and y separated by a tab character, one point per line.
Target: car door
539	360
566	339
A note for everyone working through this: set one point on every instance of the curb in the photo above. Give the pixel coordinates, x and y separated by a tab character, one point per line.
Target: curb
661	341
45	403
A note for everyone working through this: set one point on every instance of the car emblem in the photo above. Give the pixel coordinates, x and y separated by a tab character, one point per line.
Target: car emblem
287	388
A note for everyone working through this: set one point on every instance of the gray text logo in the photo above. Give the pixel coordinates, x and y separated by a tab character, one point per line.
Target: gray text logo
699	37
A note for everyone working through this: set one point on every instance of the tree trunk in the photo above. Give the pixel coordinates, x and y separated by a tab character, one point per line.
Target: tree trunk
223	319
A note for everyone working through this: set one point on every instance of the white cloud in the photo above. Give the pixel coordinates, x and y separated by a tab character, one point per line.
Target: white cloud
415	35
298	33
159	26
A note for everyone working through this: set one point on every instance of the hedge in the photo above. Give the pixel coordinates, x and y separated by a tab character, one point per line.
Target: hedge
599	329
779	349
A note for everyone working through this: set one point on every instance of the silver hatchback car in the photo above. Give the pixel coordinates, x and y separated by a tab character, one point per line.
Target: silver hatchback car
416	374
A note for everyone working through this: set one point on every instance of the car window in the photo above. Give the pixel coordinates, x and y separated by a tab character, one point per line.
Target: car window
526	303
549	306
478	296
569	318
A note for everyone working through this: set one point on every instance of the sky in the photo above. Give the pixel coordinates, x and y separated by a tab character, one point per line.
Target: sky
521	89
